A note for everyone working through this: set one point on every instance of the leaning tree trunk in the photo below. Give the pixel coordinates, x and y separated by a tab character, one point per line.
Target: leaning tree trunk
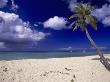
103	60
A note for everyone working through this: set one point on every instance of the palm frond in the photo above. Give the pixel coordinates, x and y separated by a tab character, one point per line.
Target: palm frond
95	18
77	9
91	20
83	14
83	25
74	16
73	23
76	27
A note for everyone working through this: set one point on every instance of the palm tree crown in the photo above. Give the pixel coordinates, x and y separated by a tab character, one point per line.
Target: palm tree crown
83	17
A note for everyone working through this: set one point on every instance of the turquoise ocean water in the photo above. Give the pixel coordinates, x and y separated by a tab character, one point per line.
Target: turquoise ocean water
45	55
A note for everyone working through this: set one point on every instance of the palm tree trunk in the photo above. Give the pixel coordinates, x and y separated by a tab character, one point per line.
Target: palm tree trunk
103	60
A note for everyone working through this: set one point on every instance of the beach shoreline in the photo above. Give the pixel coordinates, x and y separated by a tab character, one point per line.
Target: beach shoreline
71	69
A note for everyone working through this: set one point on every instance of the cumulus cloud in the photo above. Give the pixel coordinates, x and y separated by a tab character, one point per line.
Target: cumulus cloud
2	45
106	21
72	4
101	48
103	14
108	0
67	48
3	3
56	23
15	33
14	7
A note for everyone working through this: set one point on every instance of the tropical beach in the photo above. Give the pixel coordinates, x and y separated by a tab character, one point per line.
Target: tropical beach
71	69
54	41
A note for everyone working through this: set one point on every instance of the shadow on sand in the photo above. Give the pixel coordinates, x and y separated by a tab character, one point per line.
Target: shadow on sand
99	59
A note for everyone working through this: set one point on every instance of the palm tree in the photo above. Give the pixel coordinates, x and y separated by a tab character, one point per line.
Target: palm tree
82	17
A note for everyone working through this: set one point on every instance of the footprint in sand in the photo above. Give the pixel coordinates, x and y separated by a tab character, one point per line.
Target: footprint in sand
74	77
72	80
5	69
46	73
67	69
63	73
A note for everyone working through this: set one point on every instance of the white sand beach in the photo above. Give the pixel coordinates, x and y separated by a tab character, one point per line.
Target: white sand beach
74	69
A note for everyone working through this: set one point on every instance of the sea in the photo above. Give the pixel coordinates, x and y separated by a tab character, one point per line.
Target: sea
46	54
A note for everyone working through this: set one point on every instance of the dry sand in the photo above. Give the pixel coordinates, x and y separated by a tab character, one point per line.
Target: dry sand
75	69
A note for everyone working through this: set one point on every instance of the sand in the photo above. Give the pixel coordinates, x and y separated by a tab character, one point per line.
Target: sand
74	69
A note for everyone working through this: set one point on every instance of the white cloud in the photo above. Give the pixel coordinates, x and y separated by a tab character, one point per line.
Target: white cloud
67	48
36	25
106	21
3	3
14	7
103	14
2	45
108	0
56	23
102	48
72	4
14	32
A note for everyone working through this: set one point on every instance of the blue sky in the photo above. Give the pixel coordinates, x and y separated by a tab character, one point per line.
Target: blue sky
40	25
